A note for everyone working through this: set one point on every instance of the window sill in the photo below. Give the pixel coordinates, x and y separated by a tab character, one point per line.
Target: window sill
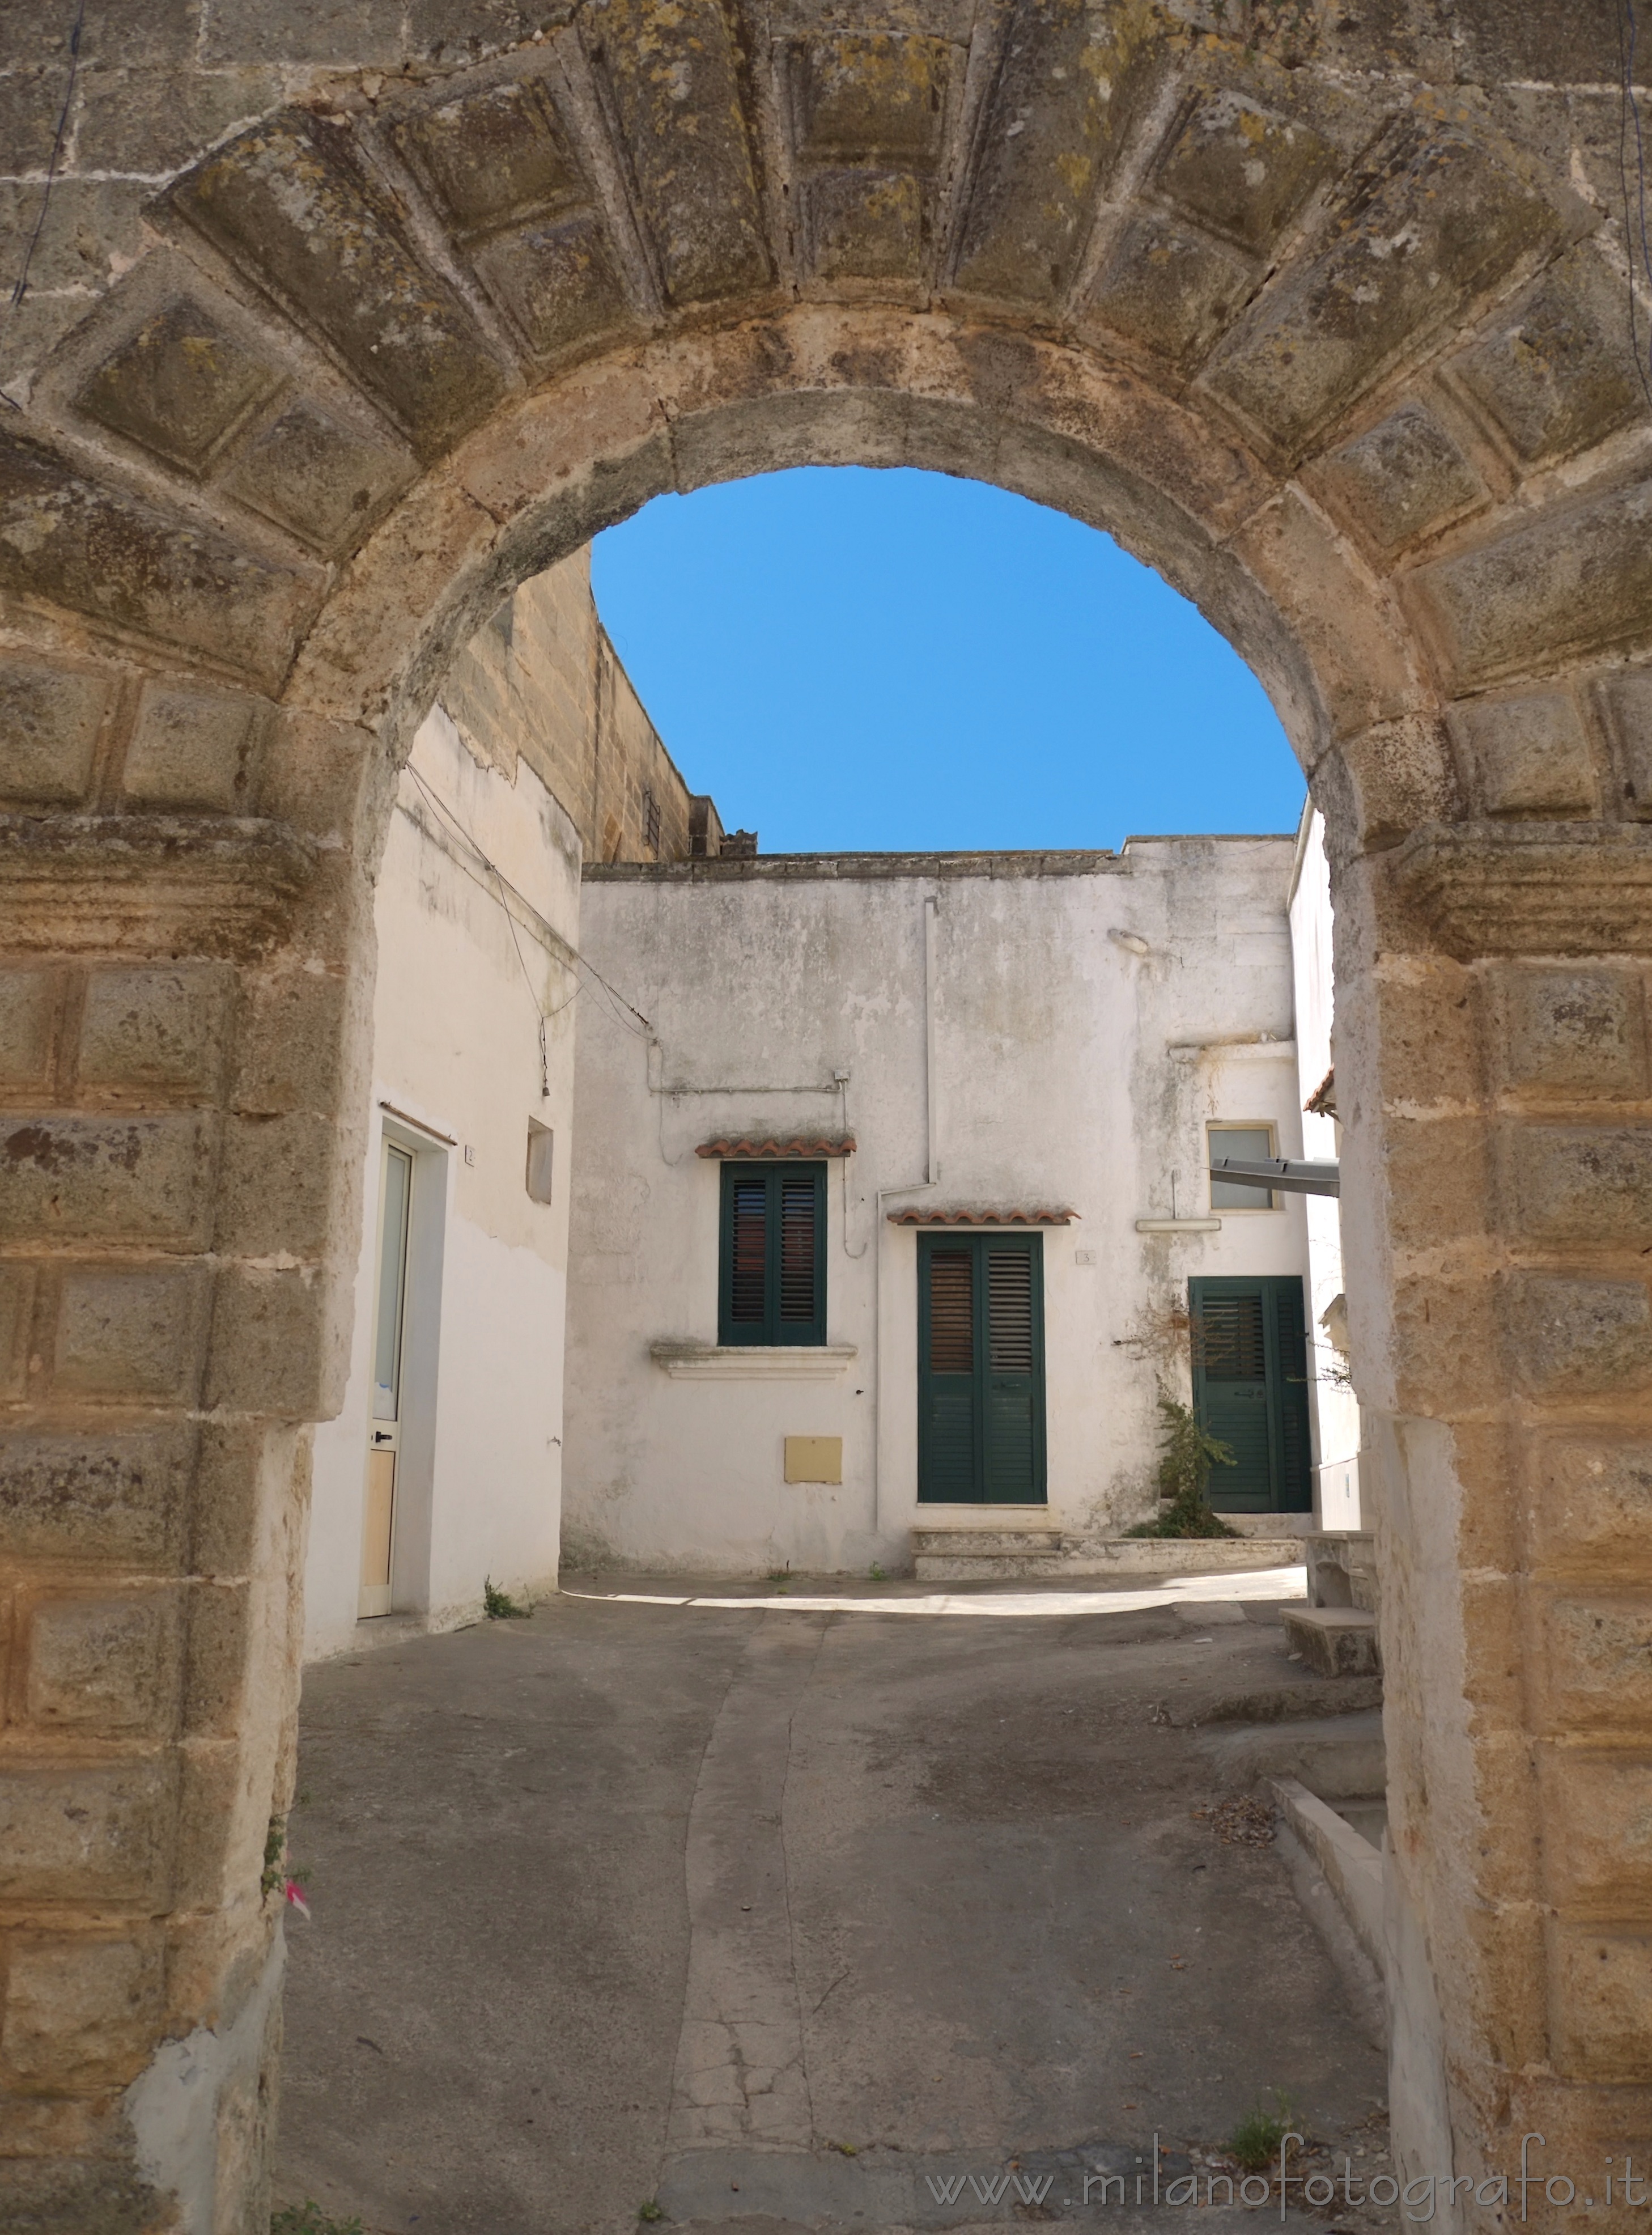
704	1362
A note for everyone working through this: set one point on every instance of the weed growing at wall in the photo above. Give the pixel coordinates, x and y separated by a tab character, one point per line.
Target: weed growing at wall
1186	1456
499	1606
309	2218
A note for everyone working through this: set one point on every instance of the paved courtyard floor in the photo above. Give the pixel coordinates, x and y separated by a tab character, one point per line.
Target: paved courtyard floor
775	1911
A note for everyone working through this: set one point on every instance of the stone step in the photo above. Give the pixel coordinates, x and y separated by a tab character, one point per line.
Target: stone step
965	1544
1336	1641
944	1559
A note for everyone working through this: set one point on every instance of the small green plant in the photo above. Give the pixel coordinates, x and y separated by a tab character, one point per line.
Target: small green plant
1254	2142
309	2218
877	1574
499	1606
1186	1456
650	2211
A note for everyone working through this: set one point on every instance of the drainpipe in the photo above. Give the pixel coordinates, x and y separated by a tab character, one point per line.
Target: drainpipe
932	1171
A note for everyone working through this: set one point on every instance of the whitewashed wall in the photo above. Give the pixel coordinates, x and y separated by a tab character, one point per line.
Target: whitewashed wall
456	1054
1069	1070
1336	1411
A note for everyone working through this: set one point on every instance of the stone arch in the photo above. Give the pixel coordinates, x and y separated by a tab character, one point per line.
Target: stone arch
1326	323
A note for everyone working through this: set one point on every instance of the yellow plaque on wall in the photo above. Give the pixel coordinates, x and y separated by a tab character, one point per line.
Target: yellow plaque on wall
813	1458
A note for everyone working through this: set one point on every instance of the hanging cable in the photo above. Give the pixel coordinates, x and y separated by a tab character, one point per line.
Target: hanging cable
20	286
1634	217
568	957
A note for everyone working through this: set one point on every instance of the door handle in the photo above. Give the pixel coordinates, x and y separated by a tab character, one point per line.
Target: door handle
381	1436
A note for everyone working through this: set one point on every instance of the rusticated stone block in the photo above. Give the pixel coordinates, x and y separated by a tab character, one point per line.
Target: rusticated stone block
1555	377
1627	702
319	480
220	1649
100	1833
1598	1661
1428	220
141	1030
1172	289
1528	756
1601	1982
100	551
29	999
1068	88
557	280
116	1178
1580	1030
493	155
1604	1801
82	2011
274	1349
288	203
1579	1337
674	77
110	1664
864	95
1590	1506
131	1332
123	1498
17	1312
178	387
1577	1183
66	2193
50	719
1576	579
290	1044
1242	170
866	225
276	1182
1404	477
192	749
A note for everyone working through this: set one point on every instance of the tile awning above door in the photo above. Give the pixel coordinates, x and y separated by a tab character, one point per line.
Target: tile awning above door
743	1147
982	1217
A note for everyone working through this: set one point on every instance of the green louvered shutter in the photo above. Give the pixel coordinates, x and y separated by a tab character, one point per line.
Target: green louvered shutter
1251	1391
981	1370
771	1280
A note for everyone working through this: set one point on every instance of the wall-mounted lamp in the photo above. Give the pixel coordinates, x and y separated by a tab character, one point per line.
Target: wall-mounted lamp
1131	940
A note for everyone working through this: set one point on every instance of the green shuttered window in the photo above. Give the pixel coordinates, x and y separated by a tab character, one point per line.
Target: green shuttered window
771	1285
1250	1389
981	1369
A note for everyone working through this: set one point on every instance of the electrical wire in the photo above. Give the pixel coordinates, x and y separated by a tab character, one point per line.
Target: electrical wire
20	286
569	958
1630	127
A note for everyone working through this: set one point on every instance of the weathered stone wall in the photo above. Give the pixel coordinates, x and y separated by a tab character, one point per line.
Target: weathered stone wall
541	679
1325	315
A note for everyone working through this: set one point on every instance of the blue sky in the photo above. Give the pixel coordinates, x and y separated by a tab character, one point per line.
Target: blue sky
847	657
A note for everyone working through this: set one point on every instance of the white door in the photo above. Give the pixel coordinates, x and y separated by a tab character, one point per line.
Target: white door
384	1428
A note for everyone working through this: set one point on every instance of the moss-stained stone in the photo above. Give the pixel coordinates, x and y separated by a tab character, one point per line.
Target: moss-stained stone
100	551
1172	289
1430	219
320	480
288	203
1403	477
674	71
1070	82
1242	171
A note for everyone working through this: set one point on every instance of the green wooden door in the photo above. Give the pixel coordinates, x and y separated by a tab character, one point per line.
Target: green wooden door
1250	1389
981	1369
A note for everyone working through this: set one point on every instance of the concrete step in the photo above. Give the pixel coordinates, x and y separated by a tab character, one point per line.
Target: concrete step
1336	1641
1338	1757
985	1557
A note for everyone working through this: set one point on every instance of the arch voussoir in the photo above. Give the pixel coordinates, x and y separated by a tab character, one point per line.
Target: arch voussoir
1331	333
